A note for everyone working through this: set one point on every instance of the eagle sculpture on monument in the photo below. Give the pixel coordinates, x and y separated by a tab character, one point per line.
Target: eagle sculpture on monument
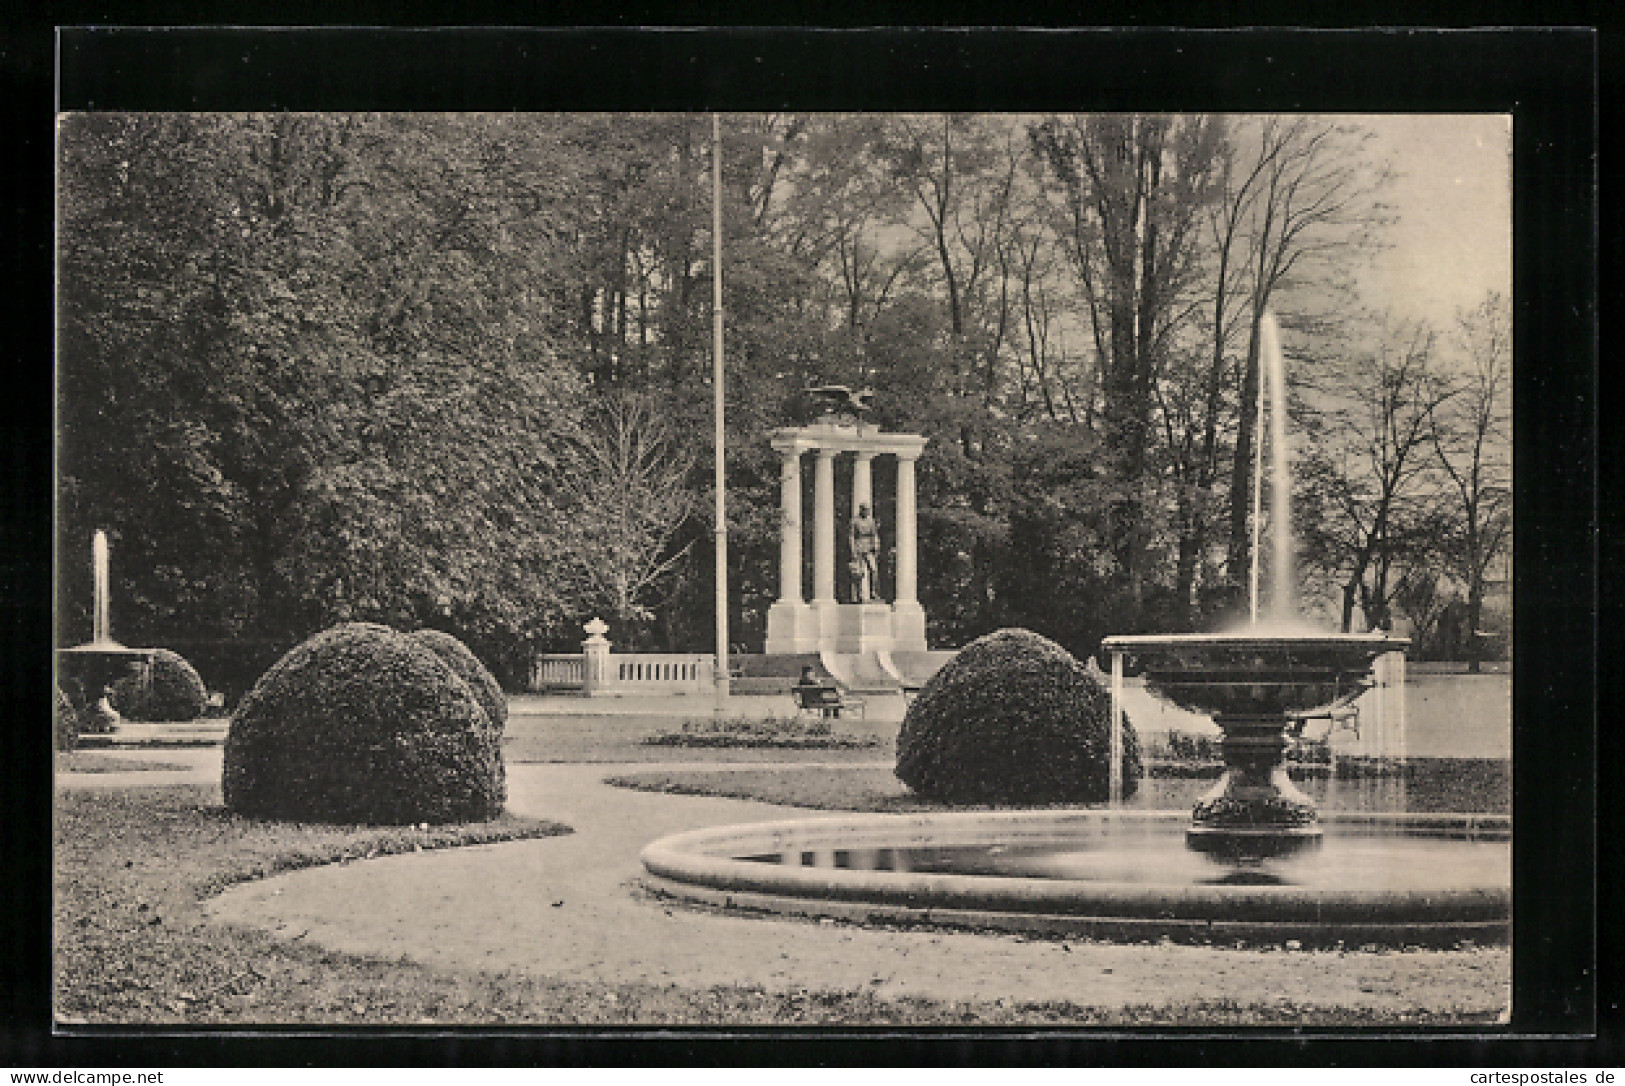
842	400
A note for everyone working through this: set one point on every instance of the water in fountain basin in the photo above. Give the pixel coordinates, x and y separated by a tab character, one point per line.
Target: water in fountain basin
1150	856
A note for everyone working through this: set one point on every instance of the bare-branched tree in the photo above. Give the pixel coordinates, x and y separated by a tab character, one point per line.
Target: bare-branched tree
623	485
1473	441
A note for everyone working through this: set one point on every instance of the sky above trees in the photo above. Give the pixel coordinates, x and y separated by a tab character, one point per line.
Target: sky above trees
1452	194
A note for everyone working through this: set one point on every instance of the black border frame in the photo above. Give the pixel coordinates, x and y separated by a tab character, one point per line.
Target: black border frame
1547	78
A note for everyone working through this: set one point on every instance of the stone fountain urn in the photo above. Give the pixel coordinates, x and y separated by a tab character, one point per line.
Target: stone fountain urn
1256	687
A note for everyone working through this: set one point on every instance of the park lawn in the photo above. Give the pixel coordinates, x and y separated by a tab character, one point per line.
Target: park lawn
858	788
90	761
1433	785
130	943
133	867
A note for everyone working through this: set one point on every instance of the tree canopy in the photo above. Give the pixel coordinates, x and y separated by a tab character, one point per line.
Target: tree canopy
452	370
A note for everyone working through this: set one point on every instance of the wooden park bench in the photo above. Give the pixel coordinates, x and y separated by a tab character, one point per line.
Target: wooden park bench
827	701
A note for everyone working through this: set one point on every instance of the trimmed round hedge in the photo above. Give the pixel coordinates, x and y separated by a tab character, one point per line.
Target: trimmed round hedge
469	668
363	724
172	690
1013	718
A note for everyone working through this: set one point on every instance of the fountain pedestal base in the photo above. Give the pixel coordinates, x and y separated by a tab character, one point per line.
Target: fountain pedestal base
1255	811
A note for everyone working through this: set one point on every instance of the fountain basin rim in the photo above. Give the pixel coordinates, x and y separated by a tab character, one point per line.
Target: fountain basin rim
706	861
106	648
1248	639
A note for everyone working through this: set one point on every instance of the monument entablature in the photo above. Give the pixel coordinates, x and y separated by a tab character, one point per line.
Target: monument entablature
840	438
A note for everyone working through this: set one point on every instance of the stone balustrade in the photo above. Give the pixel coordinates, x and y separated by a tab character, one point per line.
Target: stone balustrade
626	673
596	670
559	671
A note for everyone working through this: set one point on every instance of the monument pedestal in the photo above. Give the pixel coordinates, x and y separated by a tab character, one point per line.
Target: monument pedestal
792	627
908	626
844	627
861	627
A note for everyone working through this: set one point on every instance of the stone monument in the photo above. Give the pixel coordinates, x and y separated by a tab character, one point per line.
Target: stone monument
796	624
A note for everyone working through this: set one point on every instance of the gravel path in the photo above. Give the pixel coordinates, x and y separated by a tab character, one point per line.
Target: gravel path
569	907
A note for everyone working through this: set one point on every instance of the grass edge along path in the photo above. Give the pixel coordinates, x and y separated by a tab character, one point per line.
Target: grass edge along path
95	761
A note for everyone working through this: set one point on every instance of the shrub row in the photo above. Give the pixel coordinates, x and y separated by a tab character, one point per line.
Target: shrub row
171	689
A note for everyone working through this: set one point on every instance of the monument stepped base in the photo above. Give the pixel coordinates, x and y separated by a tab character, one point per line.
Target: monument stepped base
883	672
857	672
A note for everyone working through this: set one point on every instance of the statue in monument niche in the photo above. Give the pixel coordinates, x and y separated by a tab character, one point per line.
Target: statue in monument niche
863	538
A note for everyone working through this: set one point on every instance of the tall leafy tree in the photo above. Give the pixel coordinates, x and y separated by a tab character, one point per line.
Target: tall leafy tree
1130	191
302	323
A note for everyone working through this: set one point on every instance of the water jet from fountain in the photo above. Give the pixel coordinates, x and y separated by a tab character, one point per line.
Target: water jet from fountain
99	663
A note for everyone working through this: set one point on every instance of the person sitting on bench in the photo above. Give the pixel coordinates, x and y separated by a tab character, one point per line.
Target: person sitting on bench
825	697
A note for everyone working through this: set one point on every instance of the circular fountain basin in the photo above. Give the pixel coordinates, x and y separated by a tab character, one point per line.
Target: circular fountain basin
1388	879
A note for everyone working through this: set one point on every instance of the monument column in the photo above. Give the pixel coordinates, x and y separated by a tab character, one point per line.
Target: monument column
824	527
862	484
907	571
790	527
908	623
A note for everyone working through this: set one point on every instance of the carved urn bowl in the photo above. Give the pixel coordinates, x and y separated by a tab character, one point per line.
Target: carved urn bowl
1255	686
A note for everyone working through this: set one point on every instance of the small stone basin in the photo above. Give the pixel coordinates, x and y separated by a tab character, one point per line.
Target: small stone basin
91	670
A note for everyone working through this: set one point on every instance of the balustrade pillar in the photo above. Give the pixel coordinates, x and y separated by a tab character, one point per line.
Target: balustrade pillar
595	660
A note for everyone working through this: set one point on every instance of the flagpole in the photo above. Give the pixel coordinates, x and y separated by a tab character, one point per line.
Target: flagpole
721	529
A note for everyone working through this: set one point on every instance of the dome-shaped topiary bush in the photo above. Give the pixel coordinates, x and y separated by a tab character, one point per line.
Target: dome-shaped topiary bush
481	683
472	671
171	690
363	724
1013	718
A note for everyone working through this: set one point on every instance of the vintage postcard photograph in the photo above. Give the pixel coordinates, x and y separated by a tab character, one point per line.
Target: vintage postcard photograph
748	568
